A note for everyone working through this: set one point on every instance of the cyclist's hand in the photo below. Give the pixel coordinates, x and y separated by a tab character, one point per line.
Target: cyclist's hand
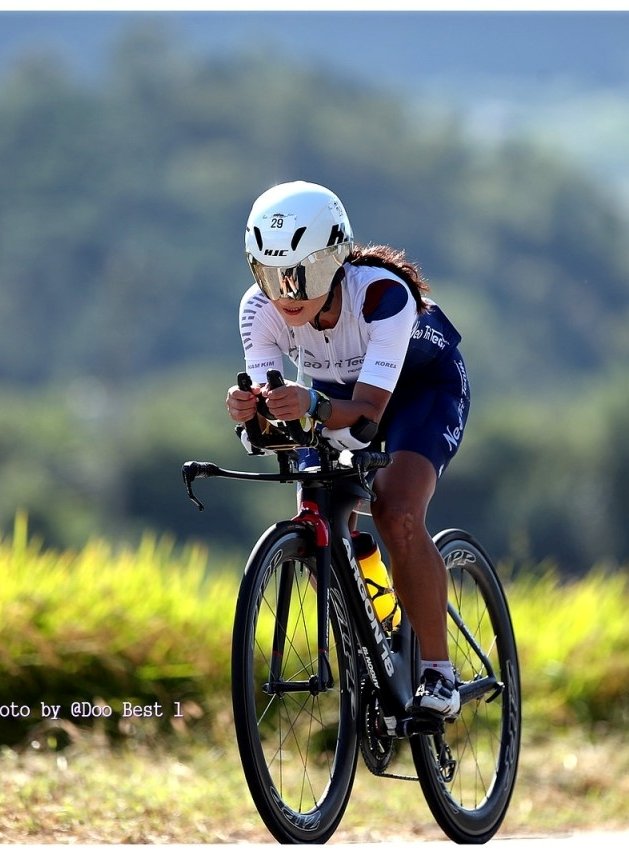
241	405
287	403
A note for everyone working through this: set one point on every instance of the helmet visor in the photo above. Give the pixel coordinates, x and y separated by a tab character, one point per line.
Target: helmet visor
309	279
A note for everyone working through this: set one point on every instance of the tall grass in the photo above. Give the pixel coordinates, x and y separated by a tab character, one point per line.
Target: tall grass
106	625
573	641
153	624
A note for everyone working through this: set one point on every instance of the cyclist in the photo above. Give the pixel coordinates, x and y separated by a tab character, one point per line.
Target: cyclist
357	321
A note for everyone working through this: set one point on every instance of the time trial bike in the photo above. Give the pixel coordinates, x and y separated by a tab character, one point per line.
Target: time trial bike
318	681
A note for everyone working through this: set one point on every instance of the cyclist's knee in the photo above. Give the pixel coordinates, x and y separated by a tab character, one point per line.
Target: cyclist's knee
400	526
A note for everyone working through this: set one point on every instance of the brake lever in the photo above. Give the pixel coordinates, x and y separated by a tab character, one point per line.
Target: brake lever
189	473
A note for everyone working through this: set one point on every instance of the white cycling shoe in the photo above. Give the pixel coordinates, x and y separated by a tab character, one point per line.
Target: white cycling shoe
436	695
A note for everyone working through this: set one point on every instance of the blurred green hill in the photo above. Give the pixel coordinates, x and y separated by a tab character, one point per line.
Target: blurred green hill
122	207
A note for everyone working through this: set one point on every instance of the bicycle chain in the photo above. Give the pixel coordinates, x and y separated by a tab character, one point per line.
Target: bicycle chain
396	777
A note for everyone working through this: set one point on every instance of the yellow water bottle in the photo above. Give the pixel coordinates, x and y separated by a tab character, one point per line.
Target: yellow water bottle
376	579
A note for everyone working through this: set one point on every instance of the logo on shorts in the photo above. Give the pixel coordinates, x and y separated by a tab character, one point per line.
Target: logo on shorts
453	435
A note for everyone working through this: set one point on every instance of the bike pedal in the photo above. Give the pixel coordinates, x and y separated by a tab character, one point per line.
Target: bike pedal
429	723
424	723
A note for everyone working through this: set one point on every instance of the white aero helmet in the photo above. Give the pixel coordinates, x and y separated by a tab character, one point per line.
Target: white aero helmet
297	238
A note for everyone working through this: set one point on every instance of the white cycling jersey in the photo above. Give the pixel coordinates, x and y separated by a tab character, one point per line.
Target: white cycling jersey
368	343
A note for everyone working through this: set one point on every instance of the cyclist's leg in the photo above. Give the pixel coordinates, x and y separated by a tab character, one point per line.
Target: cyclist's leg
423	430
418	571
404	491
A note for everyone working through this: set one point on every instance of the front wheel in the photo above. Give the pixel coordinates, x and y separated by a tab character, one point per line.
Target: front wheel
468	772
298	744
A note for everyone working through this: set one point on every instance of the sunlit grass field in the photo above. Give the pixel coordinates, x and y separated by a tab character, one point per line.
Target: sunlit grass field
106	627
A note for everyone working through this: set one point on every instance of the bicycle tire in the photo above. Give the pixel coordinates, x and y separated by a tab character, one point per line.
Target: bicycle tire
470	799
298	750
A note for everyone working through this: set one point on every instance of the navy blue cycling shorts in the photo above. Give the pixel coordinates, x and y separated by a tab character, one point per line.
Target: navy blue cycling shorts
427	411
429	417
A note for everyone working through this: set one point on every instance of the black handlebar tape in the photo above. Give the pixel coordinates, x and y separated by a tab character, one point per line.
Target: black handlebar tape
193	469
379	459
372	459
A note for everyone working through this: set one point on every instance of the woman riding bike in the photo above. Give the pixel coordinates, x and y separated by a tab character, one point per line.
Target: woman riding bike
356	320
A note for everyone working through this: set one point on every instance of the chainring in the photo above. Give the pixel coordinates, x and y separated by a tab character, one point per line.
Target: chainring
376	746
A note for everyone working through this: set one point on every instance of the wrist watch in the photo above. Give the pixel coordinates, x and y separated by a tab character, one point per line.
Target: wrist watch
322	409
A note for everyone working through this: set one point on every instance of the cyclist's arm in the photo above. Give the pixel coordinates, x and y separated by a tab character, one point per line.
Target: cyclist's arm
260	333
293	401
367	400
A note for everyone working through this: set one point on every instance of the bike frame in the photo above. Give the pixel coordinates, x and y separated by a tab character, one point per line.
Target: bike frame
388	659
327	510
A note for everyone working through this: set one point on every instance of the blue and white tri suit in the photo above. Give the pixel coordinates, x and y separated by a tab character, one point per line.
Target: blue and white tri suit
379	339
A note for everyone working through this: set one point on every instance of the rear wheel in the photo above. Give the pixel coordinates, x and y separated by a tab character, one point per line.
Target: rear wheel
298	743
468	772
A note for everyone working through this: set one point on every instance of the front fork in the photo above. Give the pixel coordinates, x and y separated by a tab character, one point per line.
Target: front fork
323	679
309	514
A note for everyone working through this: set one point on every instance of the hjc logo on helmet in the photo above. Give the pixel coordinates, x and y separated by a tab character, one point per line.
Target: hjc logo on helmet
337	235
276	252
